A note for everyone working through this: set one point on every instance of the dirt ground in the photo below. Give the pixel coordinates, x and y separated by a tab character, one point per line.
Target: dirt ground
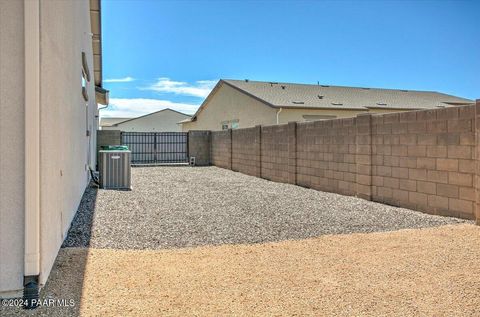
422	272
156	251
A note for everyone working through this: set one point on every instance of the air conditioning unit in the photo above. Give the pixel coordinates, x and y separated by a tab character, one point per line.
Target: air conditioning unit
115	170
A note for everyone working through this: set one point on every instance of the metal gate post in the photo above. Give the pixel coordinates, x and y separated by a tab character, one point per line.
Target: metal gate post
188	147
155	147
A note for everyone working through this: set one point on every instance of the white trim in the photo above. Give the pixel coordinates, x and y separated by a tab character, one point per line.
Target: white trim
278	115
32	137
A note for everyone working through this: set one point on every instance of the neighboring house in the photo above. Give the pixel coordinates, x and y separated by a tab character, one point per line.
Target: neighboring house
108	122
165	120
50	84
244	103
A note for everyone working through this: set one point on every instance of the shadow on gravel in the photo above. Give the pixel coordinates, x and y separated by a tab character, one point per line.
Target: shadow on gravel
80	232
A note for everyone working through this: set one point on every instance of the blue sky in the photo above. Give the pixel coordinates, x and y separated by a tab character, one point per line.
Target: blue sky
159	54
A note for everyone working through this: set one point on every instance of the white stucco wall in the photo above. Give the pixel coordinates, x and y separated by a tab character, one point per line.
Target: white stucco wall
65	118
161	121
11	147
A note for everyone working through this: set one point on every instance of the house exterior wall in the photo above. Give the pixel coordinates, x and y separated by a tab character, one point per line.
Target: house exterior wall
230	104
162	121
65	117
12	127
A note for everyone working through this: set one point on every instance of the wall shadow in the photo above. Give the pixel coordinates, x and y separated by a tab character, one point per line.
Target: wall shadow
66	280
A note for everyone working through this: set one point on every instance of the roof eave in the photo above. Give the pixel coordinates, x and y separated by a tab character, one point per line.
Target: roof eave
204	103
321	108
96	29
149	114
249	94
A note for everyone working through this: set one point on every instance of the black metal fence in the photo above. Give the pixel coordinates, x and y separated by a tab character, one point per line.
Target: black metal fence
157	147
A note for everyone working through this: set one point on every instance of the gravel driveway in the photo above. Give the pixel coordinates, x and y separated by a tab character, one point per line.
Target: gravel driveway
172	207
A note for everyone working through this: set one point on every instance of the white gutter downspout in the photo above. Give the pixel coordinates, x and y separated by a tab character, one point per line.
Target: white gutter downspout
278	113
32	150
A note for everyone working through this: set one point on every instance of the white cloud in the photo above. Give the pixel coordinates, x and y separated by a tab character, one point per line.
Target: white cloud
200	88
119	80
135	107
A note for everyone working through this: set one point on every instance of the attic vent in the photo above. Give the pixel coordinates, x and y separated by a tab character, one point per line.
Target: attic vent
337	103
246	80
320	96
298	102
324	86
381	104
283	87
404	90
273	83
365	88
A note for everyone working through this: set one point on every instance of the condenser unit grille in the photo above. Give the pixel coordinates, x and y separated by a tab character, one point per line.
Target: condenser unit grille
115	169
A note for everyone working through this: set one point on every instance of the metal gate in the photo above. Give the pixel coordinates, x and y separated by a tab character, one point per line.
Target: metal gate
157	147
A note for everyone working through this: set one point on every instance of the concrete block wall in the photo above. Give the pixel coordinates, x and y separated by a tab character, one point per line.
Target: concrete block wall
274	153
477	162
326	155
221	148
423	160
199	147
246	151
108	137
363	156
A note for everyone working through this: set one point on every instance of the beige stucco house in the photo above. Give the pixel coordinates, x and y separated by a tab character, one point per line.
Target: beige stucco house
245	103
50	84
165	120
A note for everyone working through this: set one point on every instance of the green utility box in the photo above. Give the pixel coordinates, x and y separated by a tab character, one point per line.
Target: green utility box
114	148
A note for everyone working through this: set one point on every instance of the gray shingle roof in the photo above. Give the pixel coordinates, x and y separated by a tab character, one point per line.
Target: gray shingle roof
338	97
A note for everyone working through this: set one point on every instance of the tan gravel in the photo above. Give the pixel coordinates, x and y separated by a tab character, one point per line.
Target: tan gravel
423	272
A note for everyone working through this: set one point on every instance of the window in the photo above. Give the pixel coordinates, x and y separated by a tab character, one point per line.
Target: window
230	124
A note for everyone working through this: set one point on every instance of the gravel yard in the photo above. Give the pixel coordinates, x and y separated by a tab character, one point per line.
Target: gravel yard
263	248
174	207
